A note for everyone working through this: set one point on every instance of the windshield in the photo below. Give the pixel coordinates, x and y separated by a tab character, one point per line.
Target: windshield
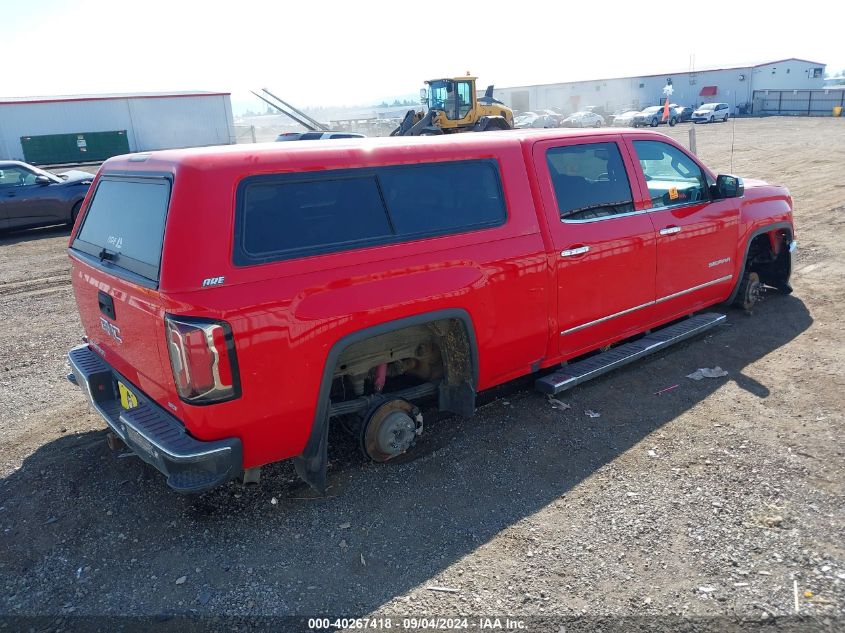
124	223
653	109
708	106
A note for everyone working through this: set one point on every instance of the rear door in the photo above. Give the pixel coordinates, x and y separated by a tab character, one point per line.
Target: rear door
116	257
696	236
604	244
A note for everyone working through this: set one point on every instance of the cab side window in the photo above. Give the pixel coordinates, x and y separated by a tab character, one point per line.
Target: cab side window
673	178
590	181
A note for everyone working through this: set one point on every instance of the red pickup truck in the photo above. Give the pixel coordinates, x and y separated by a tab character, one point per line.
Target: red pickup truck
238	299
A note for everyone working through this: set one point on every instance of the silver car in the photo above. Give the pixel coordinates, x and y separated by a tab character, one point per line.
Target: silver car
653	116
583	119
626	119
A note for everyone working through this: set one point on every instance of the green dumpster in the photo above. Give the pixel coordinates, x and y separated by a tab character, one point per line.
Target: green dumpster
79	147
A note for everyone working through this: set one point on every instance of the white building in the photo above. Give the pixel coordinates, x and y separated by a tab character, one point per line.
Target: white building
734	85
77	128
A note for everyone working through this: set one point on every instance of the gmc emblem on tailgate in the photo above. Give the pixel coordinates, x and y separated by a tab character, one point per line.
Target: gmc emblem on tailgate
111	329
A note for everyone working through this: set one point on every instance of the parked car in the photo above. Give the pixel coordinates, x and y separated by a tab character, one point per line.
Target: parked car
625	119
556	115
31	197
598	110
653	116
315	136
583	119
682	113
711	112
351	284
535	120
523	116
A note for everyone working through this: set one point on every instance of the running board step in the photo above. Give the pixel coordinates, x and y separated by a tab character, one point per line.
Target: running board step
583	370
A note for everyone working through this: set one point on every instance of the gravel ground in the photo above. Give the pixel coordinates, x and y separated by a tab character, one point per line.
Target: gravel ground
717	504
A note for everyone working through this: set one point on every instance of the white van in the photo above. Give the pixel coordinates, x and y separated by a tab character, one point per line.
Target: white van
711	112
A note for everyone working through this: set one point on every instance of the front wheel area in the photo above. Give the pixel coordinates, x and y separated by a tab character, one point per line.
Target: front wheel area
750	292
768	265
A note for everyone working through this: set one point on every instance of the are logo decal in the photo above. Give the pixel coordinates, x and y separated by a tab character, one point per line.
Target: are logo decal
212	281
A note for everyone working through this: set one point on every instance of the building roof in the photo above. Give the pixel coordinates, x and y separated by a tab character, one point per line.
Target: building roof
111	95
789	59
674	72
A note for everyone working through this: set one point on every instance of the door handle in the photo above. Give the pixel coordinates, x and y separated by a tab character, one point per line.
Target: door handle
670	230
571	252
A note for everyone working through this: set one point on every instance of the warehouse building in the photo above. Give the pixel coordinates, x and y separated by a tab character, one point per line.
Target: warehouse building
738	86
81	128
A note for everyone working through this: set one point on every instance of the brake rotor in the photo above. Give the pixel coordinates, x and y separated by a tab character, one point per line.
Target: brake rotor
752	291
390	429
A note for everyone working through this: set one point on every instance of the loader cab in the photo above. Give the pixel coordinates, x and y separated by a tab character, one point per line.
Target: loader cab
454	97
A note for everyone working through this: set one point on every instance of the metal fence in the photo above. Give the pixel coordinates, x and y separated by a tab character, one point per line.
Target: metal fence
797	102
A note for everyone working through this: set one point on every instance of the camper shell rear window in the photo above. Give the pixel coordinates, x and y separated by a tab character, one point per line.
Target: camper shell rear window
285	216
124	224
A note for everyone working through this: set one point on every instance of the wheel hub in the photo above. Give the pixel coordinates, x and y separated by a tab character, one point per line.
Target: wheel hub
390	430
752	291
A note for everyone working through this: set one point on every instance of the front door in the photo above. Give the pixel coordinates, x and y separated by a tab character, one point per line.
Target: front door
26	202
696	235
604	244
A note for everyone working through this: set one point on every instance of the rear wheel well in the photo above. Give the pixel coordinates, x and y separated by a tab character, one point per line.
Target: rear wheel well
437	352
74	211
452	332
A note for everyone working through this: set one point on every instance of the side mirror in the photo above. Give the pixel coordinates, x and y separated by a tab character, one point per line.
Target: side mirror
42	180
423	95
728	186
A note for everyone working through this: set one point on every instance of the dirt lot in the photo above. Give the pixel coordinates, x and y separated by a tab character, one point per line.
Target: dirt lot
715	499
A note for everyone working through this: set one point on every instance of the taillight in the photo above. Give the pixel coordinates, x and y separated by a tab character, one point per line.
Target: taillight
202	356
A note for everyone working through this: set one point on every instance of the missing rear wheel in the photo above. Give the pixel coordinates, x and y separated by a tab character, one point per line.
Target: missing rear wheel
390	429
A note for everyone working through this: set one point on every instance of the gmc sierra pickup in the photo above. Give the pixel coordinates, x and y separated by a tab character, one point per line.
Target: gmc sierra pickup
237	300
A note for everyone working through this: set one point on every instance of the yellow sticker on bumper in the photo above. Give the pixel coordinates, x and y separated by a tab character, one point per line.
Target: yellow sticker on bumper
127	398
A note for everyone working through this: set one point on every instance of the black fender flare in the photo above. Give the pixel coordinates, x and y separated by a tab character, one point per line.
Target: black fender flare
756	233
311	464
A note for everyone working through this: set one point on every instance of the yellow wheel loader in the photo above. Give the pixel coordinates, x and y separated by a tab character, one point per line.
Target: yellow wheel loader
453	106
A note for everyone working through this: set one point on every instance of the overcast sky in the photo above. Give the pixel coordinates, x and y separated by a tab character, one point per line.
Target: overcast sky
345	53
